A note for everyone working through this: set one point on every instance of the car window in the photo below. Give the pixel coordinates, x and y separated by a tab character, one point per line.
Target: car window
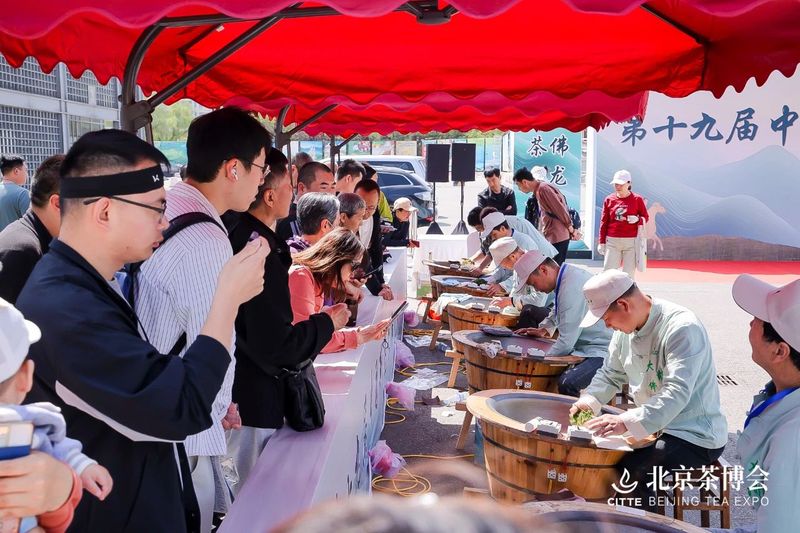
405	165
386	179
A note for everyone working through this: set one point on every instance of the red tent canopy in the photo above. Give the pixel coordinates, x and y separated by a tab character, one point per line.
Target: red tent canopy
440	112
526	47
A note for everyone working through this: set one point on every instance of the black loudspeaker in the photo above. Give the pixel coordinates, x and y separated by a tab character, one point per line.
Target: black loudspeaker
463	162
437	163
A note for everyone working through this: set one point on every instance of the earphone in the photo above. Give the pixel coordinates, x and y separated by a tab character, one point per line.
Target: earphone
235	175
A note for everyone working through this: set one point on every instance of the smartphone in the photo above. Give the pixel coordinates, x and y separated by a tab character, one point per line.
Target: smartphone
368	274
16	439
399	310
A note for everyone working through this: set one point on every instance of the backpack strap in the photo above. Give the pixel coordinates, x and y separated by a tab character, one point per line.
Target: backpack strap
176	225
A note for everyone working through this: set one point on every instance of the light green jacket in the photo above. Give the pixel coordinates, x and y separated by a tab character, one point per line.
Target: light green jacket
771	443
568	312
670	371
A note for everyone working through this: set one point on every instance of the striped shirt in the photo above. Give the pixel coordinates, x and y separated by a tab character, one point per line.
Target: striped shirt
175	290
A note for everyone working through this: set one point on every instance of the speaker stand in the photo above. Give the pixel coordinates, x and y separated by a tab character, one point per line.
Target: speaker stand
434	228
461	227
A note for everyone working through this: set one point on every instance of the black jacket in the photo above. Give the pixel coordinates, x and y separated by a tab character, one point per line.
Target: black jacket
265	334
22	244
375	256
532	212
287	227
398	237
504	201
91	347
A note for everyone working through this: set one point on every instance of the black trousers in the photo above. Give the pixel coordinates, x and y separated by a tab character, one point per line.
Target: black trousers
669	453
531	315
562	248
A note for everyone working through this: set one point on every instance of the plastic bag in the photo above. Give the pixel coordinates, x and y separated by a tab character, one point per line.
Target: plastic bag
417	341
405	395
403	357
411	318
425	381
385	462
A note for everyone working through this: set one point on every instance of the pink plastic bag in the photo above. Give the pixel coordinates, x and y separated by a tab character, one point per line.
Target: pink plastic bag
385	462
405	395
403	357
411	318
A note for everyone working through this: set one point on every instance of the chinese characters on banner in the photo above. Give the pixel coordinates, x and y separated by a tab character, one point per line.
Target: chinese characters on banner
719	175
560	151
744	128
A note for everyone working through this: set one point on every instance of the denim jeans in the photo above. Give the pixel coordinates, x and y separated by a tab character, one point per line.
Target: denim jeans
577	378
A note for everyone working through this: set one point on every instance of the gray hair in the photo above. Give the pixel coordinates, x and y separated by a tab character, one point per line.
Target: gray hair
313	208
351	203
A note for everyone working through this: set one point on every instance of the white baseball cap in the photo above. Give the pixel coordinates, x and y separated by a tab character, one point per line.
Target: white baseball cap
16	336
491	221
502	248
780	306
621	177
403	203
601	291
539	173
526	264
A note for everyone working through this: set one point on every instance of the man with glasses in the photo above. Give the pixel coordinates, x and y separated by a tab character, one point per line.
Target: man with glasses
370	235
128	403
226	165
265	337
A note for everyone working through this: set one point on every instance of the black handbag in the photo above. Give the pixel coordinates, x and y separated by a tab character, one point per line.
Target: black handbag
303	406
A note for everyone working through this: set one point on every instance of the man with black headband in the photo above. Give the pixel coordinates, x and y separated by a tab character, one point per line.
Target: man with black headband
226	165
127	403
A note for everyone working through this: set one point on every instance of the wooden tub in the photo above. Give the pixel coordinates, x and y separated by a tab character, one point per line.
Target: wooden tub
522	464
461	316
506	372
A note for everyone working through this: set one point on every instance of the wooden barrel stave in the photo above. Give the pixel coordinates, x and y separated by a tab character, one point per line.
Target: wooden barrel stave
520	464
462	317
485	373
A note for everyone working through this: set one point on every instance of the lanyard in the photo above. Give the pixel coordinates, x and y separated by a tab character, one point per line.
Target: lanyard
558	285
775	398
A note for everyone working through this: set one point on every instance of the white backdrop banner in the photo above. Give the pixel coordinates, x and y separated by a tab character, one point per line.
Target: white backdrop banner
721	177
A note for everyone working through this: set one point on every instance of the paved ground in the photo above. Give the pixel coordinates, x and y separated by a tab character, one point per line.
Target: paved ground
433	430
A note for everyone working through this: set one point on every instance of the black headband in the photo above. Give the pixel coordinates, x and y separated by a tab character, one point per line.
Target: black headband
135	182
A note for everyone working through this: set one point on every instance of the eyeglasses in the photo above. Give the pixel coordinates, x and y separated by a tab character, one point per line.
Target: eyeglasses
160	210
264	168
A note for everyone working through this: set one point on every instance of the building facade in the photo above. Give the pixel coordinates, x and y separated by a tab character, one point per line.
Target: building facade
43	114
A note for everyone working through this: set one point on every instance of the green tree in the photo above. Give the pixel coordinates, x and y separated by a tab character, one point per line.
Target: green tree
171	122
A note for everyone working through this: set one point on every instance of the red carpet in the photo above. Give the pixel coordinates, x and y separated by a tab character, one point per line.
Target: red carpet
777	273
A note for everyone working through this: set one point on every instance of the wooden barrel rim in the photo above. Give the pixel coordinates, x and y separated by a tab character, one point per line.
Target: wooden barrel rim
462	338
479	293
597	512
462	313
549	461
477	405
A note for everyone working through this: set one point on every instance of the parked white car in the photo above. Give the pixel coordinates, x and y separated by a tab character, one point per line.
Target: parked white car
411	163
